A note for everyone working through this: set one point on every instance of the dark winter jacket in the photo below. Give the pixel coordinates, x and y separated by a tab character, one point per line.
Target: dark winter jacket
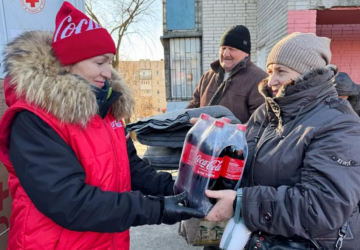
240	93
70	170
346	87
303	169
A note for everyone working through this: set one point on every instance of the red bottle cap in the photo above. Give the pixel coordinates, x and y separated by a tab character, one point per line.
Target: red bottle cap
204	116
225	119
219	124
241	127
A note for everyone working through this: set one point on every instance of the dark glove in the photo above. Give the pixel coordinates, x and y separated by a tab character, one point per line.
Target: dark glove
173	212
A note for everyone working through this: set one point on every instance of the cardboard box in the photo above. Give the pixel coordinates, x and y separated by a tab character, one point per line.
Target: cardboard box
5	207
200	232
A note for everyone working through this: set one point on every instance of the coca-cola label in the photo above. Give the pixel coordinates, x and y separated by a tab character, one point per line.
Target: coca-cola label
232	168
207	165
189	154
68	28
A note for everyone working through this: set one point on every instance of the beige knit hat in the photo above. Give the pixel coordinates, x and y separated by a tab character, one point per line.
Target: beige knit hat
301	52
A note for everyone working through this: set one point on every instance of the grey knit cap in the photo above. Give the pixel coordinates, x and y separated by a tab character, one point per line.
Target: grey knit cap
301	52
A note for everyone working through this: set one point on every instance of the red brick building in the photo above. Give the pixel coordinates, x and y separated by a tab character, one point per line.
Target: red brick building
337	19
342	26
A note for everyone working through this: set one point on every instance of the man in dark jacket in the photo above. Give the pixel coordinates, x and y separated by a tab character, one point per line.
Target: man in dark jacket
232	80
349	90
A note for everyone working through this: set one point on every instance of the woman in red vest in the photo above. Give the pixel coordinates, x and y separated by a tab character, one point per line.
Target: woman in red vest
75	178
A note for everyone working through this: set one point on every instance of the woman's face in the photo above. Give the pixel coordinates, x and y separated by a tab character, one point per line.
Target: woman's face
95	70
278	75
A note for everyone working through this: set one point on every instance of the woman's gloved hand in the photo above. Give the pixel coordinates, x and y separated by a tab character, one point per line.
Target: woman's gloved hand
173	212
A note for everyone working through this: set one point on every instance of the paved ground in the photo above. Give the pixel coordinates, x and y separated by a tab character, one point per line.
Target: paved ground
162	237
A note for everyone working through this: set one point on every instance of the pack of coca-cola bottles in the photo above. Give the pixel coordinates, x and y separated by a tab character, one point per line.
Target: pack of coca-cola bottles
213	157
189	151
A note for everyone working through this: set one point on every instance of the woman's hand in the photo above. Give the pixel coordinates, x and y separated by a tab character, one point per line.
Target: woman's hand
193	120
223	208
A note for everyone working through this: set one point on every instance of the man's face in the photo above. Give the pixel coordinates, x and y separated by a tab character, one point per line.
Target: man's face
230	57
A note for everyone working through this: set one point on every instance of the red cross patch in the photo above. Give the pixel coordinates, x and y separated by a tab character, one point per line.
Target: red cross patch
33	6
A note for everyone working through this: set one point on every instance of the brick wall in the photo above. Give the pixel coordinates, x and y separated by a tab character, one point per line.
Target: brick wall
302	21
272	25
3	106
326	4
217	15
345	47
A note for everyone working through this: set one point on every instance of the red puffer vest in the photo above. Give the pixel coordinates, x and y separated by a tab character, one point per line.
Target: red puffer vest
106	166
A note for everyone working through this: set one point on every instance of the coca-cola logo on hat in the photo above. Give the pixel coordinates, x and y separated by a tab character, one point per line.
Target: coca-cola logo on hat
68	28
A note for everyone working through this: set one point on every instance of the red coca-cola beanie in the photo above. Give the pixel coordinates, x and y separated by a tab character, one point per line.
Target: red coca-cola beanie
77	37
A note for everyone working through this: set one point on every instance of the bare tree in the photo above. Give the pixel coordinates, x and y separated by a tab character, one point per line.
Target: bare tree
117	16
144	107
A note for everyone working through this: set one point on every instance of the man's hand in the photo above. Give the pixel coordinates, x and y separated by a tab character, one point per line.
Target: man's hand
223	208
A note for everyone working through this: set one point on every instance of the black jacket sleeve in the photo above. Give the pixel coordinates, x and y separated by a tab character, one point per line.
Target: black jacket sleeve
54	180
144	178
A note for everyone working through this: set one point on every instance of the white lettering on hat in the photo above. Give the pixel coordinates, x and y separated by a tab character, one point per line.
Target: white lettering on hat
91	27
71	27
60	26
78	28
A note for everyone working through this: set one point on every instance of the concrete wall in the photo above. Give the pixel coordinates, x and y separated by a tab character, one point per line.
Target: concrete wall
298	4
319	4
316	4
345	47
272	24
217	16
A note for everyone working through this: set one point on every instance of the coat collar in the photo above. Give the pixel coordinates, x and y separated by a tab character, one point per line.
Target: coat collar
220	72
216	67
34	74
300	95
